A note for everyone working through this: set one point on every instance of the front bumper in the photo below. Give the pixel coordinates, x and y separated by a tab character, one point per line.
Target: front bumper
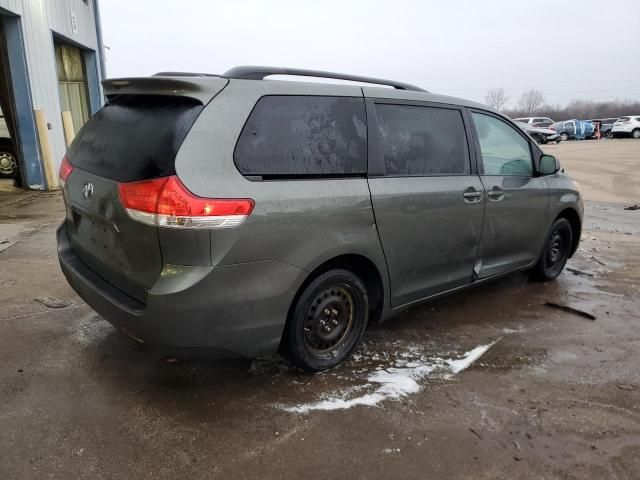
231	310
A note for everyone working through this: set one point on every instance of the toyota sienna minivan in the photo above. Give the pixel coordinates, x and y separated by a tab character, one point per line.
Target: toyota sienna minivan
248	216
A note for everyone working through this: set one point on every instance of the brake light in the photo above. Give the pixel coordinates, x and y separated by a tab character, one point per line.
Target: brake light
166	202
552	128
65	170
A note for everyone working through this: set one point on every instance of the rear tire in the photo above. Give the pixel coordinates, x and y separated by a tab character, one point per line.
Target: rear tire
636	133
326	322
555	253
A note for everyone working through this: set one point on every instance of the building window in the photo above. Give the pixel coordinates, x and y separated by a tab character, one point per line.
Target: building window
72	82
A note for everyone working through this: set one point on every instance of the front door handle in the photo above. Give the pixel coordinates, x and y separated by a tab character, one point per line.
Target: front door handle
495	194
471	195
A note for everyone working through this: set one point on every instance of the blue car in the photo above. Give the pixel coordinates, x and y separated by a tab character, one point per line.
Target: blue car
574	129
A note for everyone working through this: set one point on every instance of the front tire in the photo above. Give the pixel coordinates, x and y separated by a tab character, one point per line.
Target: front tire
326	321
636	133
555	253
564	136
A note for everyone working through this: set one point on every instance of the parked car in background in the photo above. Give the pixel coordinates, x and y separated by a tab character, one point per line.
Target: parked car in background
250	216
629	125
535	121
604	125
8	159
540	135
574	129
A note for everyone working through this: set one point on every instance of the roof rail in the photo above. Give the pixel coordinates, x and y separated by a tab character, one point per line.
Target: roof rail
259	73
183	74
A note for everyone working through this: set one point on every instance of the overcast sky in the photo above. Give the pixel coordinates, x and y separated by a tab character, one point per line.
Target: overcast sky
568	49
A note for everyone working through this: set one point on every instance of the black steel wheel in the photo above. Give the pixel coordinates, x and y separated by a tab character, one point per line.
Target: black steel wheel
556	252
326	322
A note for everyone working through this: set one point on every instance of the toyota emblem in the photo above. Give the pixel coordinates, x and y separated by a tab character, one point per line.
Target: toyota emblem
87	190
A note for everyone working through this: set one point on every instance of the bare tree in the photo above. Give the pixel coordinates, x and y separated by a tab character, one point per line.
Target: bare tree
496	98
582	109
531	101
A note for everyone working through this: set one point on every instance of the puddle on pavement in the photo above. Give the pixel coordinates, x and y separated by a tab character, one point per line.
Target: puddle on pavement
376	373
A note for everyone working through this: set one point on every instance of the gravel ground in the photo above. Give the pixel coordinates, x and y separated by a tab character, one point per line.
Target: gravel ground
551	394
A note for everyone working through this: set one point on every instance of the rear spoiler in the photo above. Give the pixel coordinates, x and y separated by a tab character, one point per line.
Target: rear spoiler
202	89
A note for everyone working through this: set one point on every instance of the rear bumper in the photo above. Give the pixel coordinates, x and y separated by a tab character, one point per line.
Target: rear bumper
234	310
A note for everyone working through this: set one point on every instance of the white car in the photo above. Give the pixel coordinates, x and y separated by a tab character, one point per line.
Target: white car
541	122
8	162
629	125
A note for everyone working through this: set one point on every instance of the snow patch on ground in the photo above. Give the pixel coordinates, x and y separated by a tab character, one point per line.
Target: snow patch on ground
397	381
471	356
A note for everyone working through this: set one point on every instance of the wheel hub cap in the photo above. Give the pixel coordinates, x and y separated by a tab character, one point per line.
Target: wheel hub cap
7	162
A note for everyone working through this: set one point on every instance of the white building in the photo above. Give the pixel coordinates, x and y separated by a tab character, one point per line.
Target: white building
51	66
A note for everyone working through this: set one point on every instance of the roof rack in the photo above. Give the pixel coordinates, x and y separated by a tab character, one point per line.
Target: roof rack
259	73
183	74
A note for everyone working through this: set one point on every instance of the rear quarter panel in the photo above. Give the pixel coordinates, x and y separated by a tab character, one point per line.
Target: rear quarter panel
301	222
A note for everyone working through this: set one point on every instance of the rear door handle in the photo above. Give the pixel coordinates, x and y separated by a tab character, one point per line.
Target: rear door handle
471	195
495	194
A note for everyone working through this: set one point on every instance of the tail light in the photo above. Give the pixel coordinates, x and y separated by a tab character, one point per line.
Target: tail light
65	170
166	202
552	128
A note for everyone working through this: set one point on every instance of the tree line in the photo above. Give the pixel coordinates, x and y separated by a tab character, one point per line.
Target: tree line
533	103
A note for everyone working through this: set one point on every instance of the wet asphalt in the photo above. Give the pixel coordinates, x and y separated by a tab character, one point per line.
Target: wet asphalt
556	396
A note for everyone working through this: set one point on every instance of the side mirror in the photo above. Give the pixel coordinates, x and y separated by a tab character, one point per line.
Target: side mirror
549	165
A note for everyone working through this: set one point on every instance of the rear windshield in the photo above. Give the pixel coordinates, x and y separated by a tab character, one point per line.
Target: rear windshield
623	119
134	137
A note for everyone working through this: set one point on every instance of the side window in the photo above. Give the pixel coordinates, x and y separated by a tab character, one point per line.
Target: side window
424	141
289	135
504	151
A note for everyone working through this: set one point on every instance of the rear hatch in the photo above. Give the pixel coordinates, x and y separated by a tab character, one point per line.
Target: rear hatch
134	137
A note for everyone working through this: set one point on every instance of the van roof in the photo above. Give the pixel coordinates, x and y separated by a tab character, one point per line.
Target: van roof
196	84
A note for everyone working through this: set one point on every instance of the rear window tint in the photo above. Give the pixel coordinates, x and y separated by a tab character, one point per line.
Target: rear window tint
304	136
134	137
422	140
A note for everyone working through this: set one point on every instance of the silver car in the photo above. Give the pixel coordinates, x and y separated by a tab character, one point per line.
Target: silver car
248	217
540	135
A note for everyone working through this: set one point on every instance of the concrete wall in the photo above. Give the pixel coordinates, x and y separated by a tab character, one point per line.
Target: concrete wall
40	21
